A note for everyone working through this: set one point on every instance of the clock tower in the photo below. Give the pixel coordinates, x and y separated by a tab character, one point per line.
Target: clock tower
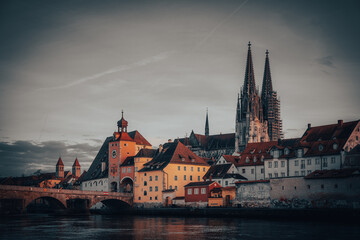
121	147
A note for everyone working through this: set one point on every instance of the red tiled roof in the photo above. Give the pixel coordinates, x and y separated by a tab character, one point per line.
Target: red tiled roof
204	183
124	136
138	138
60	162
329	132
76	163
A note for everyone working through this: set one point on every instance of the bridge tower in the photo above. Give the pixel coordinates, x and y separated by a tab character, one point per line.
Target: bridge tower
121	147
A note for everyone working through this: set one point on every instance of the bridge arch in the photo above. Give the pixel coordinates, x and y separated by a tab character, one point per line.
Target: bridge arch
127	185
44	203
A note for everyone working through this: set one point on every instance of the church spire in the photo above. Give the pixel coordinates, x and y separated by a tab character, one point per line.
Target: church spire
249	81
267	83
207	124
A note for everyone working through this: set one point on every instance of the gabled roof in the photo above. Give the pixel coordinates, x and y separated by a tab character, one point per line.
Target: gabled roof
204	183
94	171
138	138
59	162
129	161
175	152
123	136
148	153
338	173
217	171
337	131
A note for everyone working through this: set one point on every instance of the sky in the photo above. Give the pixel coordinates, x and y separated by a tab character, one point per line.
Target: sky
68	68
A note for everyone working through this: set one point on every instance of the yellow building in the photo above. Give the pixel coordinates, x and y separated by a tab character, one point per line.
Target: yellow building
172	167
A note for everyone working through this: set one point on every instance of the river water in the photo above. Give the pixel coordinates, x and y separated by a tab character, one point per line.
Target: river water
93	227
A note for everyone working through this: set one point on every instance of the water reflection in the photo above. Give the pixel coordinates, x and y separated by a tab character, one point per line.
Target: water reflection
134	227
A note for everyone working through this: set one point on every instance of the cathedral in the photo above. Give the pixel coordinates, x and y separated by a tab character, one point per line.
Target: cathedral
257	117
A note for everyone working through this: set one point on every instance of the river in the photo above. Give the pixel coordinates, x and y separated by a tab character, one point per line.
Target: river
93	227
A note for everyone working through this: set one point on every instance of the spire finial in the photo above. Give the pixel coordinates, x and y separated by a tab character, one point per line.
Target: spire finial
122	113
249	44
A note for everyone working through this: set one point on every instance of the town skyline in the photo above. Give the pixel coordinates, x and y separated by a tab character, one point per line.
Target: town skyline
64	82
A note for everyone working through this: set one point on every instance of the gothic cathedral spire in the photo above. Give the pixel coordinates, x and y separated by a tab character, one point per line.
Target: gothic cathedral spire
207	124
270	104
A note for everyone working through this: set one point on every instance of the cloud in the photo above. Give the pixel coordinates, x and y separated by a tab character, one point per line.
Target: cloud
25	157
122	68
326	61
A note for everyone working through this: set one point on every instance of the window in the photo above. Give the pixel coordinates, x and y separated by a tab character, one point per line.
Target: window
156	178
282	174
203	169
332	159
184	177
270	164
198	178
150	178
124	170
145	174
322	186
184	168
252	171
150	198
262	170
302	164
125	144
198	169
282	188
150	189
243	170
192	169
226	183
325	163
203	190
156	198
175	178
302	173
270	175
282	163
276	175
296	162
189	191
145	183
129	170
156	188
139	198
176	188
317	161
275	164
296	173
335	186
309	162
170	187
196	191
190	177
308	186
136	169
145	193
179	168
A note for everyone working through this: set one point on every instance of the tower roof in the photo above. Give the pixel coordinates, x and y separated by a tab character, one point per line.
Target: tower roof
122	122
267	83
249	81
76	163
60	162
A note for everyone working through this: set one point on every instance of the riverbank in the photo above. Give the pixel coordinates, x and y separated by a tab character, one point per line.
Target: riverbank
343	215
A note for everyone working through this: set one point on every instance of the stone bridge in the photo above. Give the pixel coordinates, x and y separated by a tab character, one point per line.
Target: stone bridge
19	197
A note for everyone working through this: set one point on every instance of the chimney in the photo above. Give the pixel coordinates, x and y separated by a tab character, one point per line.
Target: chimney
309	126
340	123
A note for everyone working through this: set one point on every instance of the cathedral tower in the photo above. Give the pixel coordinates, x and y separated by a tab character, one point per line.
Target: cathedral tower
250	125
270	104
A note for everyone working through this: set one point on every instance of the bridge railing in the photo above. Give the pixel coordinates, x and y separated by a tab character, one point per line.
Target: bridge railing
64	191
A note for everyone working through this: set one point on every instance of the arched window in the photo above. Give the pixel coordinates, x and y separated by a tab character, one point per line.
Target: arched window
145	193
145	183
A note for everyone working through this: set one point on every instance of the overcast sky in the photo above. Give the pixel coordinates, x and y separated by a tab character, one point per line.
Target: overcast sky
68	68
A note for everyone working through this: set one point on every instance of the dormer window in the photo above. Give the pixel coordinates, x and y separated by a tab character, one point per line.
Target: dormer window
299	152
286	151
335	146
321	147
254	159
247	160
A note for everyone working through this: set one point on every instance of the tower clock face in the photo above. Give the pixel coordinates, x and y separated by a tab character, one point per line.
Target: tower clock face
114	154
